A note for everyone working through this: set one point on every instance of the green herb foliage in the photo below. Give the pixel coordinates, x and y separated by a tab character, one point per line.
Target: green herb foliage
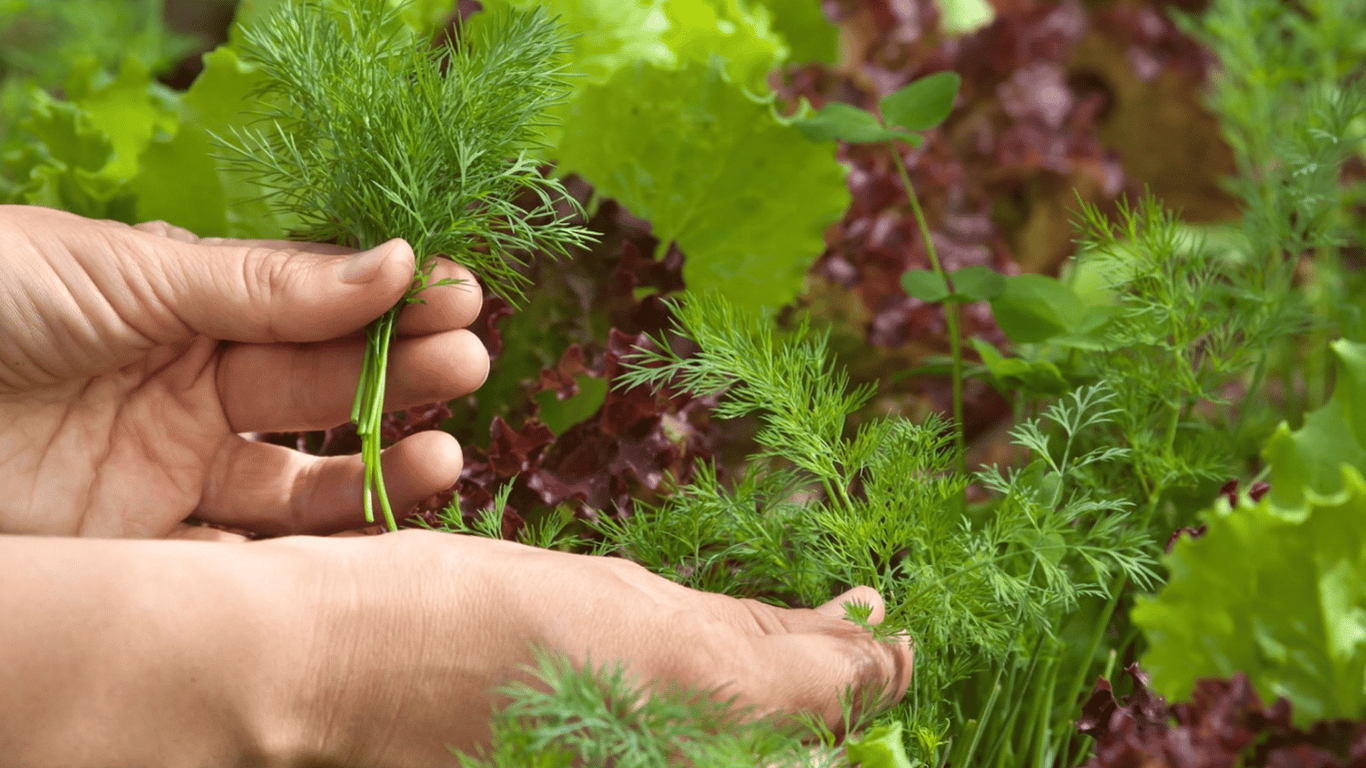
826	505
1289	98
371	134
1206	338
597	717
822	509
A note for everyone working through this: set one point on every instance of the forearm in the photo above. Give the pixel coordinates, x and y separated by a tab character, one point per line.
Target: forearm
147	653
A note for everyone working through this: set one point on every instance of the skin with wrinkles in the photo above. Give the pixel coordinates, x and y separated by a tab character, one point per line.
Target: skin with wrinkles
131	358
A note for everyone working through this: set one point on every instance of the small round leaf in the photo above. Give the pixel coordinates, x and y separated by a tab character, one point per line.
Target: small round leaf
923	103
848	123
977	283
924	285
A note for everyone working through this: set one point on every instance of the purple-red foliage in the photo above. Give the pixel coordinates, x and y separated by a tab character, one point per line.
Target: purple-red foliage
1023	134
636	437
1223	725
625	450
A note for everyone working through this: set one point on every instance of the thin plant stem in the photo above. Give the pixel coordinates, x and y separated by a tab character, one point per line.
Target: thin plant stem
368	413
1097	634
985	717
950	310
1045	715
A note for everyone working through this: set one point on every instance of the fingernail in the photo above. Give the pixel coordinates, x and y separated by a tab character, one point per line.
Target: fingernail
364	266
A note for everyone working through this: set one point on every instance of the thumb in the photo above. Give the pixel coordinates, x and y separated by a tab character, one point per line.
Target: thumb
260	291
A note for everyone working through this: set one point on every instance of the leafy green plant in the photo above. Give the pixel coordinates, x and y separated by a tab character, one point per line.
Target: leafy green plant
1289	99
370	134
1275	587
670	115
821	509
41	40
86	148
1164	324
917	106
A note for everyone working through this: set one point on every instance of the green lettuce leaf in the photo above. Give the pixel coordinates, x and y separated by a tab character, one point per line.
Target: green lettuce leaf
740	36
609	35
80	153
1277	589
129	109
181	182
672	116
61	167
1306	463
40	39
809	35
744	195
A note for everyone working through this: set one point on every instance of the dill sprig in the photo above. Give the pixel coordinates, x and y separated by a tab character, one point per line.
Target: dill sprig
369	133
599	716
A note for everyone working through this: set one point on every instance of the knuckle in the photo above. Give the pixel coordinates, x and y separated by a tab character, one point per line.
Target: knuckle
268	273
307	487
168	230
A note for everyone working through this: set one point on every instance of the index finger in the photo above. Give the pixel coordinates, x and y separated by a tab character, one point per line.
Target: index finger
440	307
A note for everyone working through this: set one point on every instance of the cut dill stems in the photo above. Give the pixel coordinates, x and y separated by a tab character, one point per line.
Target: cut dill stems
368	133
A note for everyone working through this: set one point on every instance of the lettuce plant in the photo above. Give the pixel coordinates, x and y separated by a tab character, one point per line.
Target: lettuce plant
1277	588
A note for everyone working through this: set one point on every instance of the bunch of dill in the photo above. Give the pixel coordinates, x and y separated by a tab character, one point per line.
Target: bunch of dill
368	133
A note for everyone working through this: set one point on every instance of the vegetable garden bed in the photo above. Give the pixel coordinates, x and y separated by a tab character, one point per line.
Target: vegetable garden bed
1042	318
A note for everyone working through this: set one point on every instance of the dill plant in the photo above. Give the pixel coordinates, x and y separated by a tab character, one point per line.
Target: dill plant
1290	97
1219	332
1143	438
368	133
826	505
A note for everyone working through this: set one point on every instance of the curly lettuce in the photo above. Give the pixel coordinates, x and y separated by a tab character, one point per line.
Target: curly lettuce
1277	588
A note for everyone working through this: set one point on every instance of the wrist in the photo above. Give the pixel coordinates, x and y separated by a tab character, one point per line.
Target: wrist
118	652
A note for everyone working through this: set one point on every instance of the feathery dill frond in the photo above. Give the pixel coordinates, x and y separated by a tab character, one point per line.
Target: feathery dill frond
597	717
371	134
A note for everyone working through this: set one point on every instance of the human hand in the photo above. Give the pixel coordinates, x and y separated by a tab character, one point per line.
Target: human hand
120	403
385	694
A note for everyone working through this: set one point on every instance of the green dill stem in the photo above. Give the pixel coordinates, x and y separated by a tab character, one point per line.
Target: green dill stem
362	384
985	717
1097	632
388	325
368	412
997	755
1254	389
1045	713
950	310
